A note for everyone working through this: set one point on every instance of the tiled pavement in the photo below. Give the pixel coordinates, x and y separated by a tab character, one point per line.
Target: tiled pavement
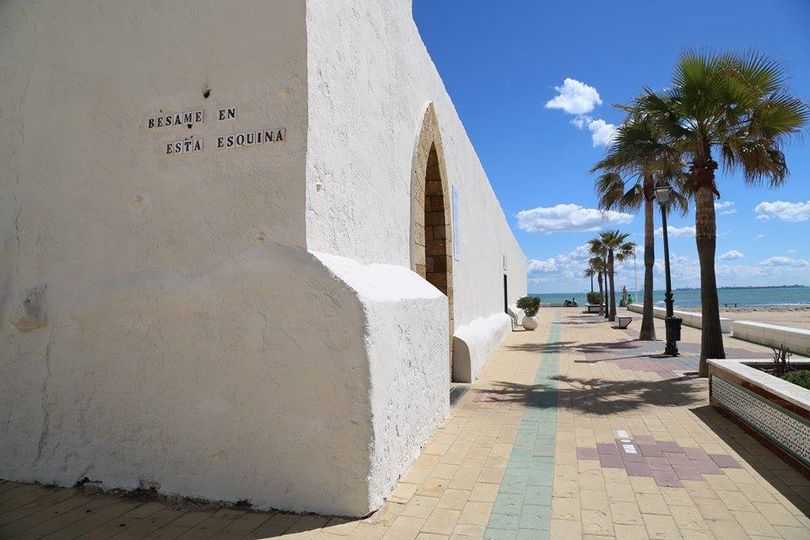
573	431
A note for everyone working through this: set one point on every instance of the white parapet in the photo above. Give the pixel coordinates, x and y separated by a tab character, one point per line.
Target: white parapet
689	318
474	343
796	340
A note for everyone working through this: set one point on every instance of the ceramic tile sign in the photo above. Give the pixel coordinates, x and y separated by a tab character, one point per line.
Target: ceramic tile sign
224	141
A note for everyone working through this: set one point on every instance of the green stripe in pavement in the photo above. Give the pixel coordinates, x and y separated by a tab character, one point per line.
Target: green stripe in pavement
522	508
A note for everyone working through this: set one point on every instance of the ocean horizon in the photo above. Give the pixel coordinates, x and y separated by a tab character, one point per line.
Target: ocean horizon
741	296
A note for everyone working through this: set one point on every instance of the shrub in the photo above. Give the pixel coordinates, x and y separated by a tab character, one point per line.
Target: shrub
781	360
594	298
530	305
800	378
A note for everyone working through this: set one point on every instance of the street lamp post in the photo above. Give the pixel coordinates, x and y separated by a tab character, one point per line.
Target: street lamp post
673	324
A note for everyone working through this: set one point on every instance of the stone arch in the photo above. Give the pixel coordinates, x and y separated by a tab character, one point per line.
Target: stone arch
431	219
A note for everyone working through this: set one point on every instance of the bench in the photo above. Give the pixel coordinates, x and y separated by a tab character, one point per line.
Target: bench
624	322
593	308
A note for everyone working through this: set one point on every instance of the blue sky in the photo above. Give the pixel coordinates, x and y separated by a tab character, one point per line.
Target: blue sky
503	62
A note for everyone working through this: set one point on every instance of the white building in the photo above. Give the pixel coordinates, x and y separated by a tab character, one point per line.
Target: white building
236	240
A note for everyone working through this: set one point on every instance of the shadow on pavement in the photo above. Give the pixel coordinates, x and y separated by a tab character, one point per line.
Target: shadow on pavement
555	346
598	396
771	467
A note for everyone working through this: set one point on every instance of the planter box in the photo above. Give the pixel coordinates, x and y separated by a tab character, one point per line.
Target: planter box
796	340
773	410
689	318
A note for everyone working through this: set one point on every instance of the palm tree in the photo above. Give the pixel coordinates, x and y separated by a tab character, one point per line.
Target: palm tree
737	105
599	251
598	266
617	246
634	162
589	273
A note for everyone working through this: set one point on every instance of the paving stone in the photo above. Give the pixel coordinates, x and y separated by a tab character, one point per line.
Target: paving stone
725	461
611	461
587	453
607	449
638	469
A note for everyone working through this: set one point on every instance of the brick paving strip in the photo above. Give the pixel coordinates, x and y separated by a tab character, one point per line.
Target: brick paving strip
523	506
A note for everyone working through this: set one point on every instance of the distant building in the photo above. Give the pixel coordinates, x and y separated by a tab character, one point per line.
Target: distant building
245	249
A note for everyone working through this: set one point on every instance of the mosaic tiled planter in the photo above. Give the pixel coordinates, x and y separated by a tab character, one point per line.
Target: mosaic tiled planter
773	410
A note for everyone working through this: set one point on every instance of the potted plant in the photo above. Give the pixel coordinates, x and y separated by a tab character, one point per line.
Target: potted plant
530	306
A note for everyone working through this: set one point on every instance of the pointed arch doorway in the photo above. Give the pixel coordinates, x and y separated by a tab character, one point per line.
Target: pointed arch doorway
431	227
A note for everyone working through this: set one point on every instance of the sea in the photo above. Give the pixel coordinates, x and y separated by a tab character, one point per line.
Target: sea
741	296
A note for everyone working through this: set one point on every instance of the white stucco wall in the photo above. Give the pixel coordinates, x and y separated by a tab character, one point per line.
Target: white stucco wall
185	338
228	324
370	81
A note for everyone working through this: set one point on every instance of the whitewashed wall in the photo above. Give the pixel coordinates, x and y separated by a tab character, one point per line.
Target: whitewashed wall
227	324
370	80
186	339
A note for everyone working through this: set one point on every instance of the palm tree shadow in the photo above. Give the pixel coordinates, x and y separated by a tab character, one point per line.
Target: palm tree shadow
598	396
606	346
551	347
629	357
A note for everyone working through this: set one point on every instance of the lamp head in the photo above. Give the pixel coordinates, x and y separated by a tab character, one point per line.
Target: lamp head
662	192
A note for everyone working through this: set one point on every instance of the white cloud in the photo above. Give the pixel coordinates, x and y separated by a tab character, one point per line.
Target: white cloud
545	265
759	237
676	231
783	210
785	261
563	273
574	97
725	208
567	268
602	133
568	217
730	255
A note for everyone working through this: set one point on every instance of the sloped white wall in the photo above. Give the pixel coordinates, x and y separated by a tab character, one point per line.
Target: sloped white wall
370	80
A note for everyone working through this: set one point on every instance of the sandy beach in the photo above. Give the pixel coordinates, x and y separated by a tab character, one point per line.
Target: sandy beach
792	316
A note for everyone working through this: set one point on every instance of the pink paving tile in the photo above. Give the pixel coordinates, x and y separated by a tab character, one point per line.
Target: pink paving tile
706	466
725	461
659	464
607	449
687	472
670	446
611	462
649	450
666	479
644	439
633	458
696	453
637	469
680	459
587	453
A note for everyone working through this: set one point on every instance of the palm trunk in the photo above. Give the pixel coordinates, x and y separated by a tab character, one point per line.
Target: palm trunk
607	290
711	339
591	282
601	295
612	293
647	332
